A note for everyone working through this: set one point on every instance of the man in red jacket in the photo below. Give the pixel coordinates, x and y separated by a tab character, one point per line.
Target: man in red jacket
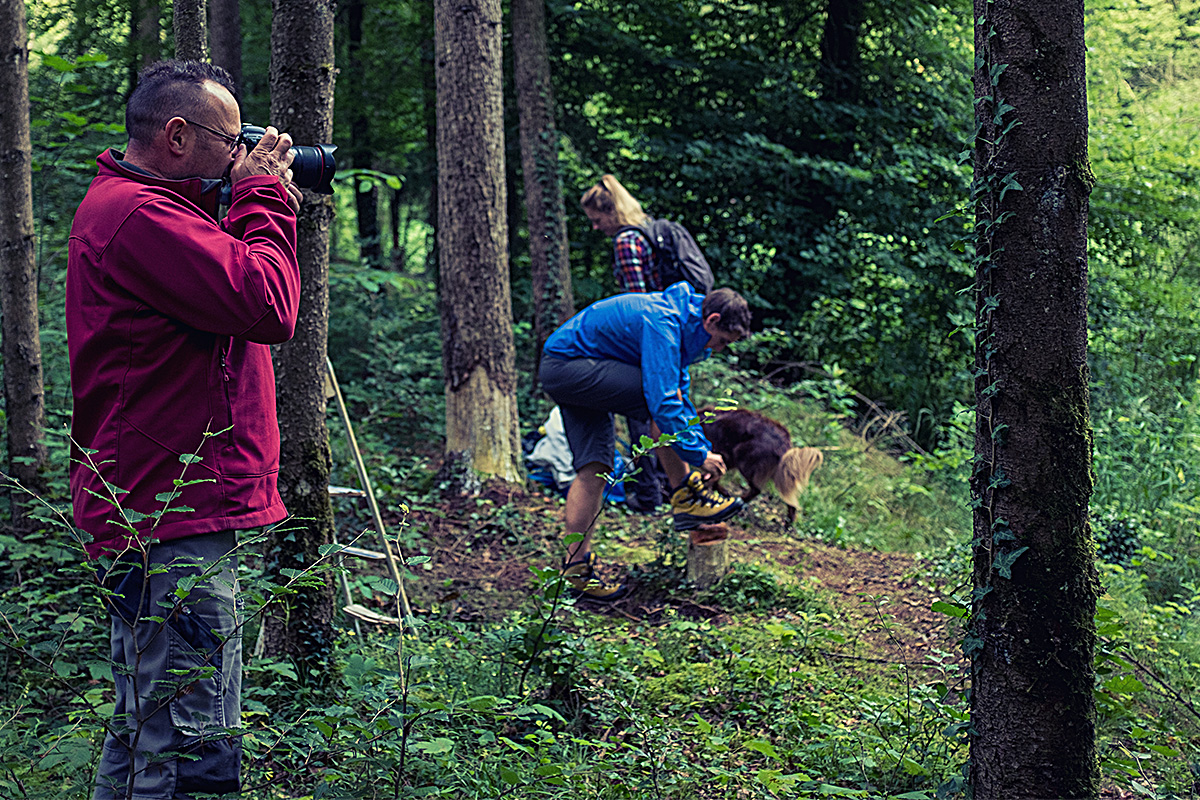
170	318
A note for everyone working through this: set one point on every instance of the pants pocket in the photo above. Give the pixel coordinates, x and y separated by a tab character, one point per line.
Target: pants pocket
197	668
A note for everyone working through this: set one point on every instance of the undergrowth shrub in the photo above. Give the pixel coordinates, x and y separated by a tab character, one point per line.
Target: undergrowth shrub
1147	676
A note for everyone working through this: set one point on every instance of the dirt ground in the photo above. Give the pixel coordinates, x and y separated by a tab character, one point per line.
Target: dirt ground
481	551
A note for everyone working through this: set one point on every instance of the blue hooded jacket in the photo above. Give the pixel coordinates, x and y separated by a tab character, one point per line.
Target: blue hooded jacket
663	333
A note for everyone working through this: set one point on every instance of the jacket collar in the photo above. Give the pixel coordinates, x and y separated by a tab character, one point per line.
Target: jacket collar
204	192
694	337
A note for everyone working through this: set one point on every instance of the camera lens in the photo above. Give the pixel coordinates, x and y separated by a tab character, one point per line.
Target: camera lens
313	166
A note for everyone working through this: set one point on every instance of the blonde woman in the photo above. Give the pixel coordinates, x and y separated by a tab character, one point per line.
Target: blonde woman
615	212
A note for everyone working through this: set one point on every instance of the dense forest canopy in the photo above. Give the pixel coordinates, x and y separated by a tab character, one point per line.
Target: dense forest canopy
819	165
812	161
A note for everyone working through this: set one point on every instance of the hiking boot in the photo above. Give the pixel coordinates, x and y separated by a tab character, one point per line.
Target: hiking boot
694	504
583	582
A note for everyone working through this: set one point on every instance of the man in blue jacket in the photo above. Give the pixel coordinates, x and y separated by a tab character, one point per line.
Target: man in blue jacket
630	355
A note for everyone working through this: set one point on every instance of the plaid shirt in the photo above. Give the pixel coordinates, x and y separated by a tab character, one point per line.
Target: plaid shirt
634	263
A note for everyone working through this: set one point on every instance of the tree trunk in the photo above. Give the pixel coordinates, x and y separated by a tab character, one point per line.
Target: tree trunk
191	33
1033	632
476	308
362	150
553	301
839	73
145	37
399	229
225	36
302	79
24	397
429	91
840	70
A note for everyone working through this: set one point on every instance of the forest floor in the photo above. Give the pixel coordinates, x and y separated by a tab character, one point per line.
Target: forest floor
481	551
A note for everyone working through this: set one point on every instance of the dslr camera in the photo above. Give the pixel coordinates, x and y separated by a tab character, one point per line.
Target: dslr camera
313	167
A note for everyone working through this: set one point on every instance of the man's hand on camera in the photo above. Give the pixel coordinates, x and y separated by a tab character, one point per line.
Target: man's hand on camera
272	156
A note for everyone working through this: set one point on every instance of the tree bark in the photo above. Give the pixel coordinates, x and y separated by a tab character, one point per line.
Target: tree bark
553	301
24	394
145	37
1033	634
476	308
840	69
429	92
191	32
302	80
225	36
362	150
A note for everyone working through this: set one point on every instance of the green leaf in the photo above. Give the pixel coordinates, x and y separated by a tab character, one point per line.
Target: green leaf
1005	561
762	746
949	609
1124	684
482	702
435	746
1164	751
54	62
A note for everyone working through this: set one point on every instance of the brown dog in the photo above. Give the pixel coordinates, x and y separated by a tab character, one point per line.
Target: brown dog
761	450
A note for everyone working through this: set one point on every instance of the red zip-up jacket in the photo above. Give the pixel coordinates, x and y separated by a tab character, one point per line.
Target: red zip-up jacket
170	318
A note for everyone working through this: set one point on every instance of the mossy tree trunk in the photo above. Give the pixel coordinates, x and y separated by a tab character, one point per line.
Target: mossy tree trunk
476	308
24	392
302	80
553	300
191	30
1033	634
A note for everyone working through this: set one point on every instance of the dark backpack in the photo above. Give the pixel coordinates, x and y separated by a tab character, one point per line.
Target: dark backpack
679	257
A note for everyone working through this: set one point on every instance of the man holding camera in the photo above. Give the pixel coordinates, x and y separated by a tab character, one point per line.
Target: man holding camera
170	318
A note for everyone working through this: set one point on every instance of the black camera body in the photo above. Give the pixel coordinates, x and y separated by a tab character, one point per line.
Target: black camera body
313	167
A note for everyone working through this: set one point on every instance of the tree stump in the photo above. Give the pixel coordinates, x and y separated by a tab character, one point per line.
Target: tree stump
708	555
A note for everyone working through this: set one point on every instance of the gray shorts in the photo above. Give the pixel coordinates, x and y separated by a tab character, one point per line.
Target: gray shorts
179	678
588	392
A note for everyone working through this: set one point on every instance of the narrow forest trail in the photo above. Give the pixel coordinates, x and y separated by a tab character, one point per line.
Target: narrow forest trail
481	554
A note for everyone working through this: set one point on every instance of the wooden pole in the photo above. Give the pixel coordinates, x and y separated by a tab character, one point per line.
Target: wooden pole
366	485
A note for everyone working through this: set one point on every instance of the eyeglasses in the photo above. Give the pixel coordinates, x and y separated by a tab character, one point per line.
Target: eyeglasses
231	142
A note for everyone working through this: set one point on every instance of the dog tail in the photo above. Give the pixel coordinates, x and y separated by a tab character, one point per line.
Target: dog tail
795	468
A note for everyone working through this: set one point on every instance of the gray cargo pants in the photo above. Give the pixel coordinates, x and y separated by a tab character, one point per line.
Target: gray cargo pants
177	664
